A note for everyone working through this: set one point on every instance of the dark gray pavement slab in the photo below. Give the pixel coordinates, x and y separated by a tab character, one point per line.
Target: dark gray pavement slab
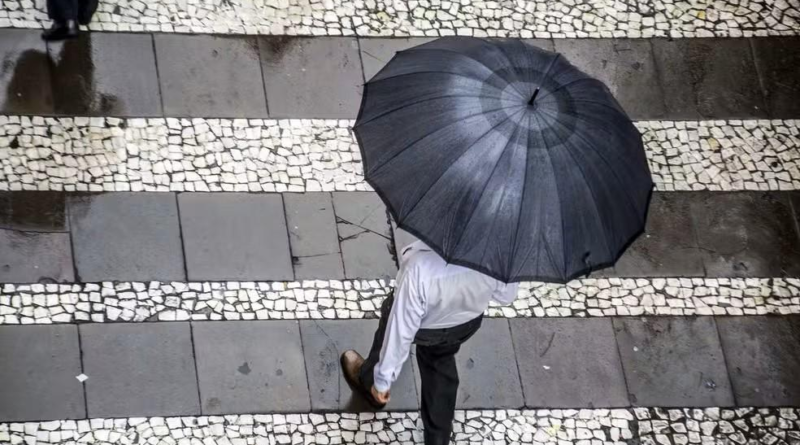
367	255
363	210
323	343
33	211
235	236
323	266
313	236
37	375
33	257
546	44
139	370
746	234
34	243
794	199
25	73
568	363
364	235
778	62
709	78
203	76
626	66
126	237
487	369
105	74
763	356
668	247
673	362
312	77
250	367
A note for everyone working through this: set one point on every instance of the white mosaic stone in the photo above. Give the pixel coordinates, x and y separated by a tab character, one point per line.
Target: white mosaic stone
361	299
294	155
481	18
723	155
202	155
557	426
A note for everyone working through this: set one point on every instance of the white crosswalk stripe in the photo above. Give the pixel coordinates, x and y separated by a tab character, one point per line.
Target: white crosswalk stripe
359	299
541	19
543	426
305	155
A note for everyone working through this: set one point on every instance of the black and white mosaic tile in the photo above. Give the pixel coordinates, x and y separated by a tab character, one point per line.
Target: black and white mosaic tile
291	155
111	154
771	426
723	155
541	19
360	299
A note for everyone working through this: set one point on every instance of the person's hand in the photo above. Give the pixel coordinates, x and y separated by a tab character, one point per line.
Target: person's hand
381	397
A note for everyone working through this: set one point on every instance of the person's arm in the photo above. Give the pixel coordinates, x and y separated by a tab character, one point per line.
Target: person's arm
505	293
401	328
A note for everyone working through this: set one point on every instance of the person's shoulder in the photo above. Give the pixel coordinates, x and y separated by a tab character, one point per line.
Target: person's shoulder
424	259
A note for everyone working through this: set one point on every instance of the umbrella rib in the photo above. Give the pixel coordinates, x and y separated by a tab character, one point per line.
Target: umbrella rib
594	198
562	269
456	160
494	168
561	87
483	81
491	70
417	103
517	74
375	169
547	73
522	195
606	162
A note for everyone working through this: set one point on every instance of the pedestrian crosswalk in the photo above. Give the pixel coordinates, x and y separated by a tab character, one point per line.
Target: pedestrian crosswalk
686	307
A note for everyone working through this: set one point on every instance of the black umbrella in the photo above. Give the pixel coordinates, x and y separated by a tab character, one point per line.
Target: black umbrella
504	158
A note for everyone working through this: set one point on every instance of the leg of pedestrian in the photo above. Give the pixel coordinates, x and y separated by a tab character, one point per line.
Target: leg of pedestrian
86	10
359	372
64	14
439	375
436	352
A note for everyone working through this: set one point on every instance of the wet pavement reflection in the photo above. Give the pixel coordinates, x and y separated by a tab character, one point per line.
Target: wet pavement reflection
24	73
33	211
34	240
97	74
105	74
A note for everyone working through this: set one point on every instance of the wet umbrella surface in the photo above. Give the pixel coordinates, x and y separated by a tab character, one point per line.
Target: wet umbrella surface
504	158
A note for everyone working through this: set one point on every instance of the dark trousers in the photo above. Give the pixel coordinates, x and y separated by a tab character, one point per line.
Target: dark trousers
436	351
78	10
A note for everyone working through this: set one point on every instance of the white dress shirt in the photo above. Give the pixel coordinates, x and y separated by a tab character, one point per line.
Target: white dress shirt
431	294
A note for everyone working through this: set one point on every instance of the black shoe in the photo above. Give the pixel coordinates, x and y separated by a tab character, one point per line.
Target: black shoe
61	31
351	362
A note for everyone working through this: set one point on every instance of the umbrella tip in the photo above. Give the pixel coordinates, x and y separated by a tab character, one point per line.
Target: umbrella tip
533	98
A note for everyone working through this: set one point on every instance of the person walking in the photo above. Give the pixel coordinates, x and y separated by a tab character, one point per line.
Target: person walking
438	306
510	163
66	16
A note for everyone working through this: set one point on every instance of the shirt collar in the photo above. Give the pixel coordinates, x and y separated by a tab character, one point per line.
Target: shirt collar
418	246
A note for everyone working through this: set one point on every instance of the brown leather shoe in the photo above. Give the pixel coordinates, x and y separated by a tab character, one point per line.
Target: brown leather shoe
352	362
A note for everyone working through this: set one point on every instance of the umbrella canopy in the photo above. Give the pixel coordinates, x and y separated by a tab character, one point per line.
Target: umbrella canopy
504	158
